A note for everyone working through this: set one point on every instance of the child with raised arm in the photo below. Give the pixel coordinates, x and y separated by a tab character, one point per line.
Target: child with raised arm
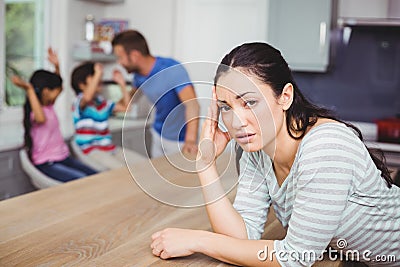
91	112
43	139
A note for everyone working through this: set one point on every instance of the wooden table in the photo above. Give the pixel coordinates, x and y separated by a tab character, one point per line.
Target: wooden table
102	220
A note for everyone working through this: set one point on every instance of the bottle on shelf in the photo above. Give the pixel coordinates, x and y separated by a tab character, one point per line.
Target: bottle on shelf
89	28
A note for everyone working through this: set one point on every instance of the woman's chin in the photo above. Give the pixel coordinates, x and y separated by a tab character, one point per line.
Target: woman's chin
250	147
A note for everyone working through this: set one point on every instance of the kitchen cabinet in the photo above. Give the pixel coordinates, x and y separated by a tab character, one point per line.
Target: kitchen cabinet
301	31
132	134
13	181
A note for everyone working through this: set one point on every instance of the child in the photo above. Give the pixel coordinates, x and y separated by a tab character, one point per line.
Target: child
91	113
43	139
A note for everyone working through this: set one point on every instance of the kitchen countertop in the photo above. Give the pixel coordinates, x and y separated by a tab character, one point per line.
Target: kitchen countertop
11	135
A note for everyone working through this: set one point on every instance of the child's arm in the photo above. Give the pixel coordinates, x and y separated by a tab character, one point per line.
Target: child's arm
53	58
122	105
38	113
92	86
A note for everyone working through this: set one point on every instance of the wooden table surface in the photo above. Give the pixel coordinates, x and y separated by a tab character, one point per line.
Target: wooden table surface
105	219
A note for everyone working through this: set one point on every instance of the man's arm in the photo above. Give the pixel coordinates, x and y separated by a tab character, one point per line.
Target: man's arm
188	97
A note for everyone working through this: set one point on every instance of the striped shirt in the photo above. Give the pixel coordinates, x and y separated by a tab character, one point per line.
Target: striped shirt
91	124
333	196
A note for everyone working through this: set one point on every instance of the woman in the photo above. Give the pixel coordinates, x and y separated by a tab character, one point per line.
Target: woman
325	186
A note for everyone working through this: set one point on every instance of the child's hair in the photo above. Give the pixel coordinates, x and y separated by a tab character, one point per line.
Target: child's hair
40	79
79	75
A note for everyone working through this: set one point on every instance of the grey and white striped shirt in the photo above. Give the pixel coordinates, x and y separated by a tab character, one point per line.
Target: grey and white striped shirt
334	192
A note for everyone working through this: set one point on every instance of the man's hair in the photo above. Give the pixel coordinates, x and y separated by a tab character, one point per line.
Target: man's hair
131	40
80	74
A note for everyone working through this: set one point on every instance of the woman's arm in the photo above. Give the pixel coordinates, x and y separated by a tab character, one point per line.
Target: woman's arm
223	217
188	97
172	242
38	113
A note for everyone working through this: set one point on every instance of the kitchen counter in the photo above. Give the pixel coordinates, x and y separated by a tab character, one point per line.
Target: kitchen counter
11	135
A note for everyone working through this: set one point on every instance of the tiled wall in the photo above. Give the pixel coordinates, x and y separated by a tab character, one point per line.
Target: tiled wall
363	82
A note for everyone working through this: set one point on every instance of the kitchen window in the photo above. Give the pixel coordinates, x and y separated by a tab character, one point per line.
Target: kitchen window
22	45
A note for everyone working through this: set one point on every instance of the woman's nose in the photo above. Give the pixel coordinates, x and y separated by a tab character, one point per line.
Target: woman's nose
239	119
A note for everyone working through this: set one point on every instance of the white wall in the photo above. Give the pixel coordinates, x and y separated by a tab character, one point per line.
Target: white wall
67	27
155	19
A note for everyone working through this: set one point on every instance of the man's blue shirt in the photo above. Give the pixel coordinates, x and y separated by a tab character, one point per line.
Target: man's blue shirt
162	86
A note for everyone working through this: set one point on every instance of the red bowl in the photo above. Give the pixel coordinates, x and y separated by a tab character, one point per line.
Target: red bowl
389	130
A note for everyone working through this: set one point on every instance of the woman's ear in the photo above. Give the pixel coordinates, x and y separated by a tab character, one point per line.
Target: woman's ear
286	97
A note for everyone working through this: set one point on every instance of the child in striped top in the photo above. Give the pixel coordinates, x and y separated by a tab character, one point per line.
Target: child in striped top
91	113
328	189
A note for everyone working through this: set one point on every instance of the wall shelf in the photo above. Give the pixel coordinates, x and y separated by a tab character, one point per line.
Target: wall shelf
93	56
105	1
84	51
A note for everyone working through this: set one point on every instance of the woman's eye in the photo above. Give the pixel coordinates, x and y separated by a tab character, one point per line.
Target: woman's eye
250	103
224	108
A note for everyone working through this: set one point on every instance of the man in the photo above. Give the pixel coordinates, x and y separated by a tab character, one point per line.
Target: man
167	85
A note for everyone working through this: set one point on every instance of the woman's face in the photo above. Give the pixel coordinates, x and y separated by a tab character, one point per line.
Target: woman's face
249	110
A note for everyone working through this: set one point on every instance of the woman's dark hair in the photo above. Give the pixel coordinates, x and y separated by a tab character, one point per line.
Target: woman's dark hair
267	63
40	79
80	74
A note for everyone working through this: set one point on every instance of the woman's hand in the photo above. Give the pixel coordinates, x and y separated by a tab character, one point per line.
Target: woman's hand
213	141
173	242
18	81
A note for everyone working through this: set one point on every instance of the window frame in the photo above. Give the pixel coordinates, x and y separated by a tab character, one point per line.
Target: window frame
10	114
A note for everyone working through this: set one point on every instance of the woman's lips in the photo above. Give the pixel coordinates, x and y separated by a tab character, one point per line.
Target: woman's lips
245	138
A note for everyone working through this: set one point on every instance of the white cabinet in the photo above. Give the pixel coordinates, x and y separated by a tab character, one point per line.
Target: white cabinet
301	31
208	29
